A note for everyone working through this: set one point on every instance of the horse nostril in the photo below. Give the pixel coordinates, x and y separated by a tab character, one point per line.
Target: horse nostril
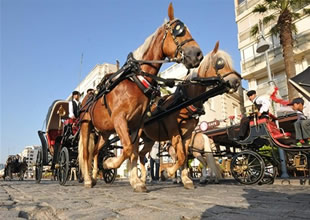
199	55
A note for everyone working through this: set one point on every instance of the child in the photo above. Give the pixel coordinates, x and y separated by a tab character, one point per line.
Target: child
302	125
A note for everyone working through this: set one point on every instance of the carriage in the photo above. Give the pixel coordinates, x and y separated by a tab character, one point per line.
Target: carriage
60	146
256	158
15	165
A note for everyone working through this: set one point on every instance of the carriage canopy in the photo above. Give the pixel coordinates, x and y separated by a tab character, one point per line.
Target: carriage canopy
59	108
302	83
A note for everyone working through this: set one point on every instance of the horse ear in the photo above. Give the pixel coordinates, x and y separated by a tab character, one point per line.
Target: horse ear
216	47
171	12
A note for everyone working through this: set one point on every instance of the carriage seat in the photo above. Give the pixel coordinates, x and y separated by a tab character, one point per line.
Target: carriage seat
52	135
273	130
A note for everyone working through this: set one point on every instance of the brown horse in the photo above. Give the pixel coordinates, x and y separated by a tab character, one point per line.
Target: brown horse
178	126
123	109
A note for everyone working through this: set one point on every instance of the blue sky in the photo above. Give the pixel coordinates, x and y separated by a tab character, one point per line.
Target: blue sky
42	43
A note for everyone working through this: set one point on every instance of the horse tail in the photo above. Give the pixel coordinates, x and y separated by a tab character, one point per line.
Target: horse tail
80	153
89	150
209	157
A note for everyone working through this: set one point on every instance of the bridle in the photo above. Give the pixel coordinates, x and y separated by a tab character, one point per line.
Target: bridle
178	30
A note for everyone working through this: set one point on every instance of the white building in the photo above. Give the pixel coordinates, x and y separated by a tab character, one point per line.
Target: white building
253	64
94	77
30	152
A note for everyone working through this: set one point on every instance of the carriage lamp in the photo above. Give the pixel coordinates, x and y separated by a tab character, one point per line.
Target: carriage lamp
61	112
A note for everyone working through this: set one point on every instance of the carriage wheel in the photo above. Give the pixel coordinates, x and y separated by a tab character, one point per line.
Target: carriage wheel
247	167
109	175
63	169
39	166
270	173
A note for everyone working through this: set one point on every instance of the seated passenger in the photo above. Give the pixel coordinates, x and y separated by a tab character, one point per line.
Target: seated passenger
262	104
302	125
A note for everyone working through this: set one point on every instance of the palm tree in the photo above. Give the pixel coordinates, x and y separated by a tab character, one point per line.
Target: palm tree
284	12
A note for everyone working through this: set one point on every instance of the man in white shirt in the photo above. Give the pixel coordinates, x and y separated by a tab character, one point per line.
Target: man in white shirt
262	104
74	105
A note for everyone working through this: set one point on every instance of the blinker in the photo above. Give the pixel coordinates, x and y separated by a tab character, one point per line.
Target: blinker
179	29
220	63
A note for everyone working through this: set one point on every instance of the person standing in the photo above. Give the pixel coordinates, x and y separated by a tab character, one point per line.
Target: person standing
154	162
74	105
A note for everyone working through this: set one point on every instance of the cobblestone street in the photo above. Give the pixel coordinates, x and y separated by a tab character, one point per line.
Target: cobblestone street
228	200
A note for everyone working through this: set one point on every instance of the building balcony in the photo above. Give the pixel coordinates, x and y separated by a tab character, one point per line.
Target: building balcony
257	64
245	5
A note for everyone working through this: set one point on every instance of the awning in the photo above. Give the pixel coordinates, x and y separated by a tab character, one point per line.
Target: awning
302	83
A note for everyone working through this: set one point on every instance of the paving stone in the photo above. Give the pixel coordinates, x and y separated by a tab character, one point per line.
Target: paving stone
164	200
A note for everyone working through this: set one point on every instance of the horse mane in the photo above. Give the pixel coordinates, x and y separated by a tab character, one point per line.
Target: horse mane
140	51
207	61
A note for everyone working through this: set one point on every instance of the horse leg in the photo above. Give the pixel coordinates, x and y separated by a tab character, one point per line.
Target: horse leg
86	143
203	178
98	146
187	182
135	181
177	143
146	148
215	170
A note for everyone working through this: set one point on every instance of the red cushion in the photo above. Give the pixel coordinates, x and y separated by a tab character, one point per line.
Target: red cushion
259	121
52	135
273	130
285	134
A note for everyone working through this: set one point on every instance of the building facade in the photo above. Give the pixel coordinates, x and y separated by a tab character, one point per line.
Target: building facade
94	77
253	64
30	153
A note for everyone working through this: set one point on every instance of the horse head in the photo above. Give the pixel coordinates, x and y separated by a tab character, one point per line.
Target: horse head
178	42
172	40
219	63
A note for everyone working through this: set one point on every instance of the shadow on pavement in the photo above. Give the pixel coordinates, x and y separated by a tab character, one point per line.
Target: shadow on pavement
264	205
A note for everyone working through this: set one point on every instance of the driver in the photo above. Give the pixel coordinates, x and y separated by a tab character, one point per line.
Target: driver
262	104
74	105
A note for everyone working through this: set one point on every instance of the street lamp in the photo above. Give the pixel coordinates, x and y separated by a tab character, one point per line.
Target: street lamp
262	47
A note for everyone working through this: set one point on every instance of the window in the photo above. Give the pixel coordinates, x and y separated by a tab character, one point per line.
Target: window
248	53
241	1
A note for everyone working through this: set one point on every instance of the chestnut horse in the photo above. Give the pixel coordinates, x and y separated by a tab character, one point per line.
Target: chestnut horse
178	126
123	109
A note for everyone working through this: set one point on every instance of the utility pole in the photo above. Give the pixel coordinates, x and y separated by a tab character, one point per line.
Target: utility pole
80	73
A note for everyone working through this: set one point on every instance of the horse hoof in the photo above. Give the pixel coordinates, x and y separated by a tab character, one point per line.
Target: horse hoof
140	188
88	184
189	186
108	163
93	183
